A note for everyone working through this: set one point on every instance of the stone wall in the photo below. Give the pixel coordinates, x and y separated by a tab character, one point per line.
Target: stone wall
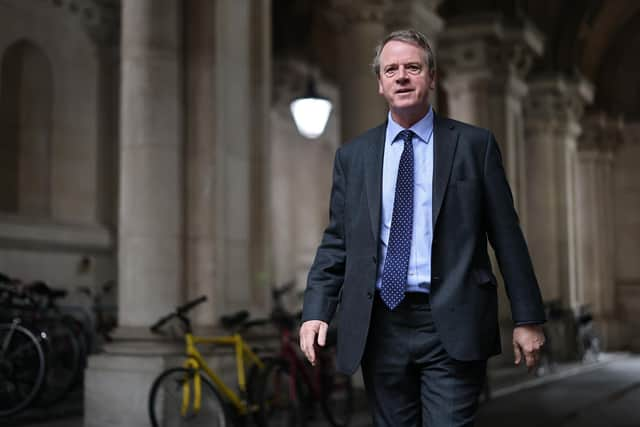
58	224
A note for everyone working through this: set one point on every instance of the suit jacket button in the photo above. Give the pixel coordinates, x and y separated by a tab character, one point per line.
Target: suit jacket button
375	259
369	295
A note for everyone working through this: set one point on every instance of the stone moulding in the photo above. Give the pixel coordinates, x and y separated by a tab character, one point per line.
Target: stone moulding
32	234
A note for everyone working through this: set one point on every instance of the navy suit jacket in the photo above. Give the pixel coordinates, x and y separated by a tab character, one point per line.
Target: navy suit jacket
472	203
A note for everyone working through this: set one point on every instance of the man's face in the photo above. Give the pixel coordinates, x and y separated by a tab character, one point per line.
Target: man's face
404	79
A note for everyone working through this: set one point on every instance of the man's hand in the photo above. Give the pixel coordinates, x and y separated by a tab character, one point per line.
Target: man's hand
527	342
308	332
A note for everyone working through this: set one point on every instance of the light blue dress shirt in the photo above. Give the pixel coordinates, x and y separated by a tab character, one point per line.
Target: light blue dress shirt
419	274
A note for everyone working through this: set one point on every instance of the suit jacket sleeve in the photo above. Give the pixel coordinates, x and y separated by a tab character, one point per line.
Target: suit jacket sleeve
327	271
508	242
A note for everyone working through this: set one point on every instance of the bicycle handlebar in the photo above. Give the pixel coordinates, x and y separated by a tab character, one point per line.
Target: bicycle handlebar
256	322
156	326
179	313
277	293
190	304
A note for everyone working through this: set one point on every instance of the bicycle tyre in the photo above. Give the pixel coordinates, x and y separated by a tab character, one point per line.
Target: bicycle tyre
336	394
168	387
81	334
279	404
22	368
254	377
64	360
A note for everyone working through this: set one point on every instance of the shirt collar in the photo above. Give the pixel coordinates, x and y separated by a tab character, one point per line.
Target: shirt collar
422	128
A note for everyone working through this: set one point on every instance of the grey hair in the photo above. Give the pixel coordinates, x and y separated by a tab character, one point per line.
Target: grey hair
409	36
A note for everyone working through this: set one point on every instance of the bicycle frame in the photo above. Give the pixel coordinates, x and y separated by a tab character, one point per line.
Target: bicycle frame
196	361
310	376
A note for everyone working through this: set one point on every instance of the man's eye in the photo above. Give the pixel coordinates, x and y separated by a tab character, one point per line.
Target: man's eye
389	72
414	69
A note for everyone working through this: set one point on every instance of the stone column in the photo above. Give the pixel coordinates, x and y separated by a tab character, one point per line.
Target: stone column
200	173
241	132
227	123
484	62
594	221
150	226
359	26
553	113
627	233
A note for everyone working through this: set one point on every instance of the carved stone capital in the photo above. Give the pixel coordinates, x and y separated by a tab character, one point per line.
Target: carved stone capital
100	18
556	103
472	44
342	13
601	133
631	133
417	14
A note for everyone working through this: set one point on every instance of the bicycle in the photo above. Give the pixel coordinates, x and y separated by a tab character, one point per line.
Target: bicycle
290	385
194	394
22	365
587	340
58	334
100	313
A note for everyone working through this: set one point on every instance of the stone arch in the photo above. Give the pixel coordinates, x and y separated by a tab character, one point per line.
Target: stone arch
26	99
79	97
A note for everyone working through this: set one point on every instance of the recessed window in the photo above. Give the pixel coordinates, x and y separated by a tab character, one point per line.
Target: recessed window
25	131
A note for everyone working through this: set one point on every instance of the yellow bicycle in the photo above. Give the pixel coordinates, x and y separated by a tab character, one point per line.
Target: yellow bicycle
193	394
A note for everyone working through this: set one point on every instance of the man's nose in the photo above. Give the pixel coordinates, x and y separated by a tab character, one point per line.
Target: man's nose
402	74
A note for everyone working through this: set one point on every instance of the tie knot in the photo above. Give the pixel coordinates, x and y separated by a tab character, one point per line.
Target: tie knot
406	135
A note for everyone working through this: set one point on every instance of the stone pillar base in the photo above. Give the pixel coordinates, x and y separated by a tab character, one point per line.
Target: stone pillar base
613	334
117	382
116	389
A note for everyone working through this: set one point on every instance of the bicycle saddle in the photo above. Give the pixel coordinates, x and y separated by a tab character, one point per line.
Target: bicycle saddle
231	321
41	288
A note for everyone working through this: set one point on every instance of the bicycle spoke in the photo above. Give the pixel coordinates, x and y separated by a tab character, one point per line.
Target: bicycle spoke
21	368
279	403
172	401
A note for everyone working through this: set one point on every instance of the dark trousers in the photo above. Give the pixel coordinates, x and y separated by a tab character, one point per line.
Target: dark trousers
409	377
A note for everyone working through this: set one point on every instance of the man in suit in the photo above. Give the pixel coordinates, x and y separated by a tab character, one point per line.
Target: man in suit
404	257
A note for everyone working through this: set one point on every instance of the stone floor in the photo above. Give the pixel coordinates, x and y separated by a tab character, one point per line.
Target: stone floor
606	395
600	394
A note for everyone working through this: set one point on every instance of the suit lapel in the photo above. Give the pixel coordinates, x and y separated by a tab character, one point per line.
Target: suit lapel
445	142
373	177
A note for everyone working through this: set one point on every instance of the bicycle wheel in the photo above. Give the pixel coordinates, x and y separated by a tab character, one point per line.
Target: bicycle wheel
174	388
336	393
64	361
22	368
81	333
278	398
254	377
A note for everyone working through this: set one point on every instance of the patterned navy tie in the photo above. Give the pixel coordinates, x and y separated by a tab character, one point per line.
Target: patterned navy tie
396	264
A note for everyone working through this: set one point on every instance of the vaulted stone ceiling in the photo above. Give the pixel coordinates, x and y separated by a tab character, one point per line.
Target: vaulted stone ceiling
598	39
617	75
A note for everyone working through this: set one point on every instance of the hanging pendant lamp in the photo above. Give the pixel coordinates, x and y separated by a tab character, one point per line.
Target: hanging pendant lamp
311	112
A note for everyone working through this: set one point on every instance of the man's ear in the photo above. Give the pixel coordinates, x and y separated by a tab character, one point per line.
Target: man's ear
432	85
380	91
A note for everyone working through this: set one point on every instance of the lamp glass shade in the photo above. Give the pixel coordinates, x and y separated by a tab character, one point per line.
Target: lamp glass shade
311	115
